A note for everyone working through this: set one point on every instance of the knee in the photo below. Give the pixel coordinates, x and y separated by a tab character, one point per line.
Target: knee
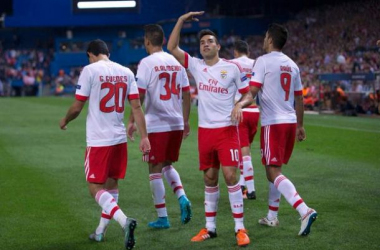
93	191
270	178
273	173
231	179
211	181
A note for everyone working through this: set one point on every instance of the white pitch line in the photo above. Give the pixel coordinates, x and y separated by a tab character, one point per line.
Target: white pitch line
352	129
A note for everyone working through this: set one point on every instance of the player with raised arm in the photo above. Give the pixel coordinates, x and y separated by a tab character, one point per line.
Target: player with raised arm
248	127
276	79
218	144
164	85
106	85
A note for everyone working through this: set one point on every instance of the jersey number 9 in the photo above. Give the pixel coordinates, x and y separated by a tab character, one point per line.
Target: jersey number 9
286	80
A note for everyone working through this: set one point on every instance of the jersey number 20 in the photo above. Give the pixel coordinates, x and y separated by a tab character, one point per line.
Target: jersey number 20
170	85
119	92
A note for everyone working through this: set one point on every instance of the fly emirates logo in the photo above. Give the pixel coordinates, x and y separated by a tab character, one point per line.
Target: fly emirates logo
212	86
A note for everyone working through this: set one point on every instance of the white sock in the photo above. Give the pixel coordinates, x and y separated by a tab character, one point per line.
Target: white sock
237	205
109	205
248	174
158	191
288	190
241	179
105	218
274	197
211	207
174	180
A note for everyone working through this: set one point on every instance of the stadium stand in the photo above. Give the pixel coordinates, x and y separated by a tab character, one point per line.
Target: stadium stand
329	39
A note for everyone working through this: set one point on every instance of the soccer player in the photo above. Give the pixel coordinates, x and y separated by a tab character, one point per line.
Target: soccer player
106	85
276	79
163	82
218	144
248	127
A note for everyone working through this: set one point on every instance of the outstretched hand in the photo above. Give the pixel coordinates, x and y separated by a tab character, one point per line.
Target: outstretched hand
191	16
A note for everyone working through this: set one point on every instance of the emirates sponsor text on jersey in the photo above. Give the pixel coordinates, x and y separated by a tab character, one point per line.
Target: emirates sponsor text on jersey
211	86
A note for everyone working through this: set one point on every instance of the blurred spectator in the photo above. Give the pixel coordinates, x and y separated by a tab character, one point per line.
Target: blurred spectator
1	88
338	38
29	81
22	71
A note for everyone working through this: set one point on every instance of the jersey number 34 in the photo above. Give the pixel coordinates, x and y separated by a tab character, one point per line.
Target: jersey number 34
170	85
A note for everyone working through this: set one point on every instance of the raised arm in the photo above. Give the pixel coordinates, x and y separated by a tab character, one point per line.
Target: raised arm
173	43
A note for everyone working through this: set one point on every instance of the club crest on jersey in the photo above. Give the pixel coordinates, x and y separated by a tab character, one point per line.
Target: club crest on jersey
223	74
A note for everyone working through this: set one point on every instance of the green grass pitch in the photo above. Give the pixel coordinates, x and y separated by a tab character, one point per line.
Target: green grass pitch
45	203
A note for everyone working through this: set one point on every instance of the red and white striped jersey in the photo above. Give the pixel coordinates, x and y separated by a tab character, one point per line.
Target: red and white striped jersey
106	85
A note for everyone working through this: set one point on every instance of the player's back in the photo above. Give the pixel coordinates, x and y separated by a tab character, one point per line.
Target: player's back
281	81
162	79
108	85
246	65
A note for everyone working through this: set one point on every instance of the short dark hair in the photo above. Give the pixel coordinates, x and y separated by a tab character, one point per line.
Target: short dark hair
97	47
206	32
155	34
279	35
241	47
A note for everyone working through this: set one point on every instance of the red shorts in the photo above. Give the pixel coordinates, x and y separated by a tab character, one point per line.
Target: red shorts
218	146
165	146
277	142
105	162
248	128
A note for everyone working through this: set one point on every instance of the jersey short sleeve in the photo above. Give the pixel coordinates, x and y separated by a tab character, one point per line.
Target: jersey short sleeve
190	62
298	84
142	77
258	73
83	87
242	82
132	91
185	85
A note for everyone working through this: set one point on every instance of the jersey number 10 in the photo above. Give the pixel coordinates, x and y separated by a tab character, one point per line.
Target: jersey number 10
170	85
119	92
